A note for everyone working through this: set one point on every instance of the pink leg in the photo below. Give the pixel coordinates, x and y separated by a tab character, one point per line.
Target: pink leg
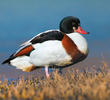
46	72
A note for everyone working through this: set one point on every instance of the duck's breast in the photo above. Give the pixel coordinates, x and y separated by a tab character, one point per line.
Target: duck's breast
80	42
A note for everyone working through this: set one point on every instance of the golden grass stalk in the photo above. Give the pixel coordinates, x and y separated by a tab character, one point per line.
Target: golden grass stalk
71	85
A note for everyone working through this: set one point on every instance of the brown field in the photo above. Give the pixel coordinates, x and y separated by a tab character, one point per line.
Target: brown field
71	85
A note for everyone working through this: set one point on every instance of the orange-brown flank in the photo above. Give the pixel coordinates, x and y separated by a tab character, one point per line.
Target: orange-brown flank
25	51
70	47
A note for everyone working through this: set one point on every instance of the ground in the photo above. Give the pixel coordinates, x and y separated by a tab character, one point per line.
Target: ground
73	84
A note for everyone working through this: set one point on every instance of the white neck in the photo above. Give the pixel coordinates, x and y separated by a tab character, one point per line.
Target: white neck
80	42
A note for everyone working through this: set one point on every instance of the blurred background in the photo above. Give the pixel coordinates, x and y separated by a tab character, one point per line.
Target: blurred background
20	20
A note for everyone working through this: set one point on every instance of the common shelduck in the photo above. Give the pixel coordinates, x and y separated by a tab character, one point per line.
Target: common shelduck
58	48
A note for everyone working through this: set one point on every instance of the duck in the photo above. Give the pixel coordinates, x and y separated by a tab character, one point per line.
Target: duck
52	48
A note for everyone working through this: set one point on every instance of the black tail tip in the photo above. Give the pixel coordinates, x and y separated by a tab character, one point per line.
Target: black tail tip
6	61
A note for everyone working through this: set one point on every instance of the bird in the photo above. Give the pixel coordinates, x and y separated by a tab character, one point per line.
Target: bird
59	48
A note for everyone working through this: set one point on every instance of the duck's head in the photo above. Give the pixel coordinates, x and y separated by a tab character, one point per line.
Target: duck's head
71	24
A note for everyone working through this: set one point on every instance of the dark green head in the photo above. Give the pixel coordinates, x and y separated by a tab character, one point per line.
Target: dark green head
67	24
71	24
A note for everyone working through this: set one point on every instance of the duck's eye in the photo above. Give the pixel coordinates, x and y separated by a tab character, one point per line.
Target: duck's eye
74	28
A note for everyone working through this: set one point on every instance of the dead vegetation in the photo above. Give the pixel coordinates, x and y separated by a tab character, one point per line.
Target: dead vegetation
72	85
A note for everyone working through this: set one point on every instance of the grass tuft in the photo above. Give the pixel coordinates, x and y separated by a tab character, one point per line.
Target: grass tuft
72	85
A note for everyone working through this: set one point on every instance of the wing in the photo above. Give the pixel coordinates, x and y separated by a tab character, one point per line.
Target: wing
45	36
42	37
25	50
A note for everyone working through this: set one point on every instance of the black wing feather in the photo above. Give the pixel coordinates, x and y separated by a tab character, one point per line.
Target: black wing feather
50	35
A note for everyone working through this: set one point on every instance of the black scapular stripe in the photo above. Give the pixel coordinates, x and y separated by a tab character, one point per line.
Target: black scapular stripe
50	35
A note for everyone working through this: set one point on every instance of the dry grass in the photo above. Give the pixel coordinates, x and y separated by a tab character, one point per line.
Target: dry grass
73	85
